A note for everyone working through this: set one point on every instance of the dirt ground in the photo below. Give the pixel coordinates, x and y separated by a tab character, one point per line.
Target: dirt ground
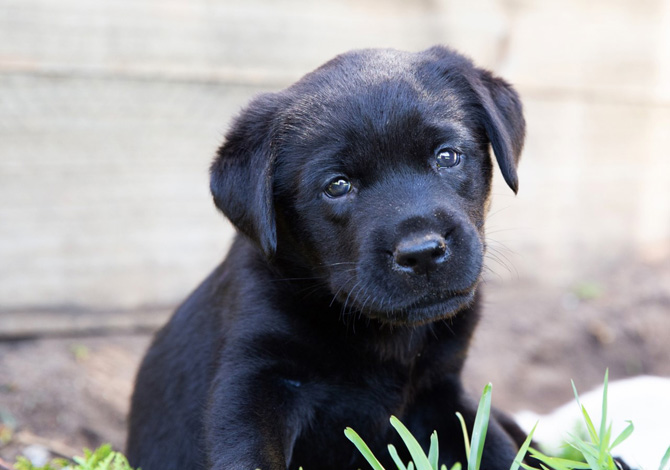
63	393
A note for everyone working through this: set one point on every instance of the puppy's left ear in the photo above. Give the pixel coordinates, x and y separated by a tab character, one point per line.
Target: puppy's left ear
503	121
242	174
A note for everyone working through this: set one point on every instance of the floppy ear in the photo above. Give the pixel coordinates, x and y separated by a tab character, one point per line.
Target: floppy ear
242	174
503	122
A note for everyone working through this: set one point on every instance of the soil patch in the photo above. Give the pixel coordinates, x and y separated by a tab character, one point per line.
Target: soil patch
66	393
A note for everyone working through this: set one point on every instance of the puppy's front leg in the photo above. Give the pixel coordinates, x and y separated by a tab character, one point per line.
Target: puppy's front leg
249	423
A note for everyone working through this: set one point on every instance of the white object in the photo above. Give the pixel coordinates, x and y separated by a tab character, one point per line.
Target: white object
644	400
37	454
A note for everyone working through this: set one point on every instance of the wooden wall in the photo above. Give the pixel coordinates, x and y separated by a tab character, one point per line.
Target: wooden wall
110	112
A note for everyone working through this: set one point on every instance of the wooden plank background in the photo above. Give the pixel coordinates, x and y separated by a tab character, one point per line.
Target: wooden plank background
110	112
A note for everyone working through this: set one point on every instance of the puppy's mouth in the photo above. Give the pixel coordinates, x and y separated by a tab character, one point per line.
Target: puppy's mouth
424	311
420	311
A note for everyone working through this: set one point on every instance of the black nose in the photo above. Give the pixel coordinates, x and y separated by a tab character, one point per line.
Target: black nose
421	254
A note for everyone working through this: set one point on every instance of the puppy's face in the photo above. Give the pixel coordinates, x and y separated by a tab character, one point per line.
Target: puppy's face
379	174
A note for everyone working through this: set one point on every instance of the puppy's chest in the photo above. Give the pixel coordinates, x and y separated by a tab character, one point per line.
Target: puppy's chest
327	363
348	383
362	396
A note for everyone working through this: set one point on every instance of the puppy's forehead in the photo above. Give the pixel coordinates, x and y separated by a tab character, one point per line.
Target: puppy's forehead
379	79
370	94
425	70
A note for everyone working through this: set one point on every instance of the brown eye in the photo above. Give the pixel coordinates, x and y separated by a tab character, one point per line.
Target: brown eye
338	187
447	158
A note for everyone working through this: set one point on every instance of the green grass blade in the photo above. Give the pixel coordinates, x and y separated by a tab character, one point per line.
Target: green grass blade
574	389
603	448
605	433
466	435
590	453
528	467
363	448
592	463
590	427
396	458
624	435
456	466
525	466
415	450
105	463
554	465
434	451
665	460
410	466
557	463
523	449
587	419
583	447
479	429
608	437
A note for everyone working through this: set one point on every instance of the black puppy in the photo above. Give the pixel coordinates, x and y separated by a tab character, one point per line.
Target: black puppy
350	295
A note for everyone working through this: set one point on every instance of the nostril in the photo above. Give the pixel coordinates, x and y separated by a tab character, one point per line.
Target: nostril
407	261
421	254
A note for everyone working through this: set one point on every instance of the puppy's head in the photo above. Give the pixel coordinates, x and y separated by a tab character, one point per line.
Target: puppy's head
373	173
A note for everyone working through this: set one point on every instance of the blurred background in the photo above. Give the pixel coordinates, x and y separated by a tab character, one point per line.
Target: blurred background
110	113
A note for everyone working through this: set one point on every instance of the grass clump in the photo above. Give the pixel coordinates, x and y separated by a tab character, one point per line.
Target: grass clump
474	446
103	458
590	452
596	449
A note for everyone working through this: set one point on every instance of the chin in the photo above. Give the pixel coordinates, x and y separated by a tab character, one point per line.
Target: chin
424	311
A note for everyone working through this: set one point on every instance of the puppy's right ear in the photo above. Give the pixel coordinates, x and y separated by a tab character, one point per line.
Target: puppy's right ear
242	174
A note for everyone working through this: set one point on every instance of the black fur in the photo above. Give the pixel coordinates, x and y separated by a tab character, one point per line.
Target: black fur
335	312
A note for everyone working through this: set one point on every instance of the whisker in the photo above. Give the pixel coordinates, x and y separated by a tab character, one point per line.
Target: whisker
346	301
490	242
309	290
356	291
447	323
497	211
361	291
366	300
492	272
494	257
489	231
336	294
502	255
298	278
338	264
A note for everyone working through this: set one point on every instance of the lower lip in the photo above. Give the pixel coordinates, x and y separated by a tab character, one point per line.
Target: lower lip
415	314
457	298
